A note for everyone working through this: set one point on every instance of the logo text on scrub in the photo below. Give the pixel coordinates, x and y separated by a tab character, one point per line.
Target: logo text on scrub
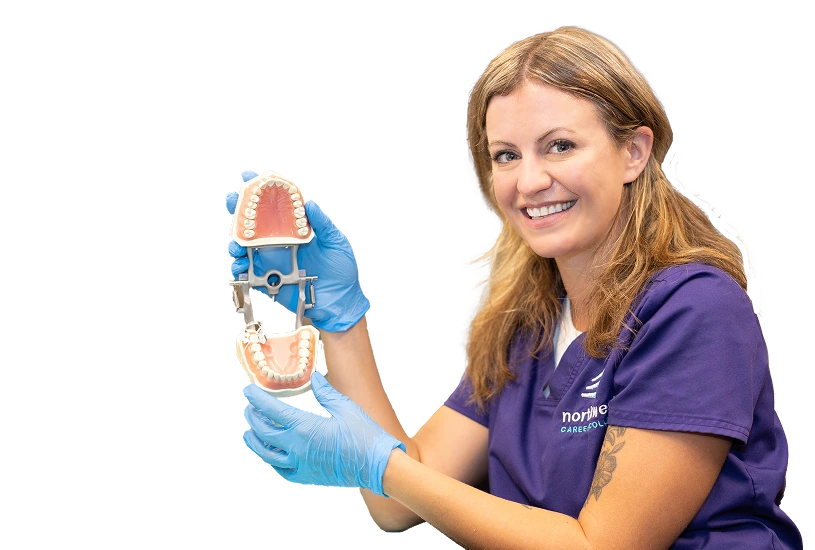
585	416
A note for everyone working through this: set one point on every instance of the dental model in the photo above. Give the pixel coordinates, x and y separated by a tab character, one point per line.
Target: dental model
281	364
270	213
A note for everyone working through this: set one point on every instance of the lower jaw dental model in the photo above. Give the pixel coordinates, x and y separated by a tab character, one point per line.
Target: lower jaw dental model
270	213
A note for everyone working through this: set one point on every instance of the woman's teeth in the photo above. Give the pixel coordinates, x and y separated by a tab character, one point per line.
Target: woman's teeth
546	211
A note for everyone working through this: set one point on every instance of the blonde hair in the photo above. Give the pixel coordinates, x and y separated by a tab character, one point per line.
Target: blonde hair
658	226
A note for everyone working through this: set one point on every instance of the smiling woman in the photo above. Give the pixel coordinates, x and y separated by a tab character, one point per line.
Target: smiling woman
617	378
551	149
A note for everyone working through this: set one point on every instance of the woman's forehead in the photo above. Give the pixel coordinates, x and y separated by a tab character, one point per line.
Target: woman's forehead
533	107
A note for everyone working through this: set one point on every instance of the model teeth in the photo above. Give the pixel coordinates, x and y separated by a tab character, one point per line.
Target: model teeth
298	207
269	368
546	211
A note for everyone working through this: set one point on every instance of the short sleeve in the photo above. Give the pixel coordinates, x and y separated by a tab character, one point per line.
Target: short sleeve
458	401
698	359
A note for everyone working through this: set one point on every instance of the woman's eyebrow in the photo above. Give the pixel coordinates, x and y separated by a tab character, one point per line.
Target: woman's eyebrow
538	140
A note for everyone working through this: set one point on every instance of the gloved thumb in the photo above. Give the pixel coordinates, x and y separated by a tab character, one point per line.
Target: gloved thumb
326	395
324	228
248	174
231	202
232	198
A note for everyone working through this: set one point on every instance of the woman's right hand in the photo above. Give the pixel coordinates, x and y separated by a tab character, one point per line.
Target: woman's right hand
340	303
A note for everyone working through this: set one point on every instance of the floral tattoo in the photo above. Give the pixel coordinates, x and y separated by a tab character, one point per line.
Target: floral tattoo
607	462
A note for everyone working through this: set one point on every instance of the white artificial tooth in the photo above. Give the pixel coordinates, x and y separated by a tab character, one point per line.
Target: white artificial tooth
304	344
304	352
248	233
297	204
252	205
301	222
257	191
258	356
253	339
293	189
303	231
300	373
249	213
254	347
263	363
277	376
264	371
301	211
286	185
263	184
298	214
270	375
305	335
303	361
294	196
254	198
249	224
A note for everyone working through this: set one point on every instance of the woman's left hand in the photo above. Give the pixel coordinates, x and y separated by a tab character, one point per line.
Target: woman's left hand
346	450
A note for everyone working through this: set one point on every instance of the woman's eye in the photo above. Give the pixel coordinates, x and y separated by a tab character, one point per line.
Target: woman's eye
561	146
505	156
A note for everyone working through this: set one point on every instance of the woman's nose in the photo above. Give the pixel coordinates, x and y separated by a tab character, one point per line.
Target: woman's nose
533	178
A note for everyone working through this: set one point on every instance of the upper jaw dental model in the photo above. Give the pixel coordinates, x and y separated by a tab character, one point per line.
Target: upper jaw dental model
270	213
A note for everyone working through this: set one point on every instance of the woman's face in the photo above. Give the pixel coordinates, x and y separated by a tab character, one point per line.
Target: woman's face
558	177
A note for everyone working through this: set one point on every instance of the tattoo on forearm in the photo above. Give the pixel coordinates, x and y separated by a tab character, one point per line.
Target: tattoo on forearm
607	462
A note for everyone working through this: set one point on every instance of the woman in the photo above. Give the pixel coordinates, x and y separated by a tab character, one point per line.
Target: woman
617	392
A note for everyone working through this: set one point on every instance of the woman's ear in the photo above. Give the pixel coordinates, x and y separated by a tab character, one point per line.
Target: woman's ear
638	151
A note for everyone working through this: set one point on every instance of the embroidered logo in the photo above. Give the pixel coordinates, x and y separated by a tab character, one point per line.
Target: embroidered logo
593	386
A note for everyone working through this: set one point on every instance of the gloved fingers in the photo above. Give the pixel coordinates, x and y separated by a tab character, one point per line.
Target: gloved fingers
273	408
236	250
248	174
332	400
230	201
266	430
324	229
270	455
241	265
232	198
289	474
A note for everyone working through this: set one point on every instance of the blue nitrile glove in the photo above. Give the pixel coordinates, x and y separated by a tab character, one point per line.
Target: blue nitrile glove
340	301
347	450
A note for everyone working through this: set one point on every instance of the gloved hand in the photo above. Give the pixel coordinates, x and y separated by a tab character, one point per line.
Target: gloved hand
347	450
340	301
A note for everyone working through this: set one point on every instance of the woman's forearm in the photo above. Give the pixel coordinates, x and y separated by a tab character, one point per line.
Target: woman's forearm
475	519
352	371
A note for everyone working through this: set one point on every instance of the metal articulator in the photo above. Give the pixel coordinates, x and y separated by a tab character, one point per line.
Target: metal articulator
272	280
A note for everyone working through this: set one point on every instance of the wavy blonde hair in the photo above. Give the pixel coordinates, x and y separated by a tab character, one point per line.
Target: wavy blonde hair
655	227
